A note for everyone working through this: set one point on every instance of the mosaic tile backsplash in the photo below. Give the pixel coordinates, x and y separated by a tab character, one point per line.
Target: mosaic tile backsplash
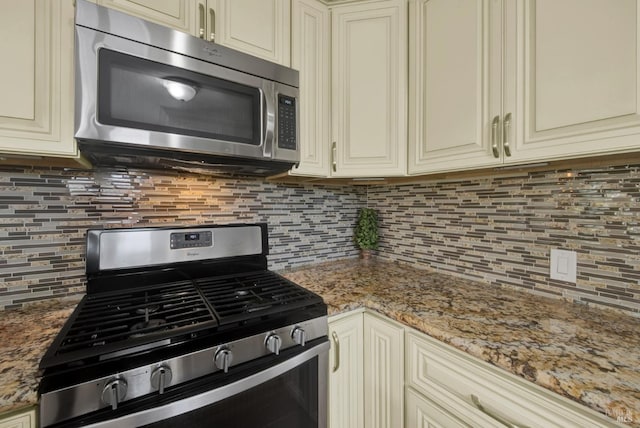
44	215
500	230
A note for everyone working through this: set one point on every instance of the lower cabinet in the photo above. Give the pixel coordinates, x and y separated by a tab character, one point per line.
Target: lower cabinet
447	387
441	386
346	386
25	419
366	380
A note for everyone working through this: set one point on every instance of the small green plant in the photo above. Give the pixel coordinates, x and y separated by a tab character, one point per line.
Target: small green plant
366	232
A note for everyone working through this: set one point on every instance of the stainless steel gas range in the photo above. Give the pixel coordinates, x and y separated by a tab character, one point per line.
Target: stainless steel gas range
187	327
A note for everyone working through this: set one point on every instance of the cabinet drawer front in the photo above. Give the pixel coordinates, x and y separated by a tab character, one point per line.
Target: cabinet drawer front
424	413
433	366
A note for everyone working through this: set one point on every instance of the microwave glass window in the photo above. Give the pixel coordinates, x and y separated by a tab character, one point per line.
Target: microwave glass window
142	94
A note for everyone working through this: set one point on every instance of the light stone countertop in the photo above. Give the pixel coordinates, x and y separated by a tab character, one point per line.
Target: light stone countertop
25	335
589	355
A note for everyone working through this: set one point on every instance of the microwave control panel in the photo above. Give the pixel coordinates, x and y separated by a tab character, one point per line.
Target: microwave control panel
286	122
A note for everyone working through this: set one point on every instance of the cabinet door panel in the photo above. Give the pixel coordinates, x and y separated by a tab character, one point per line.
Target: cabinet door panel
19	24
258	27
561	56
22	420
383	373
36	108
310	56
450	89
575	78
177	14
369	88
346	408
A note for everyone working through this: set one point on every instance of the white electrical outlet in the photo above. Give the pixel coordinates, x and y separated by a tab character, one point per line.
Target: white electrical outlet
563	265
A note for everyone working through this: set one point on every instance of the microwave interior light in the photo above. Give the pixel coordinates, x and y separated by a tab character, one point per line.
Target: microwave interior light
181	91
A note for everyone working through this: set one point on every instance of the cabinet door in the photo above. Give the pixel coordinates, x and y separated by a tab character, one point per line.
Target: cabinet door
572	77
424	413
177	14
452	85
20	420
383	373
36	78
346	408
369	51
310	44
258	27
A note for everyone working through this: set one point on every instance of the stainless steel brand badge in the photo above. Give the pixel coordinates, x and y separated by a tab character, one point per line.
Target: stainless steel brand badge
212	51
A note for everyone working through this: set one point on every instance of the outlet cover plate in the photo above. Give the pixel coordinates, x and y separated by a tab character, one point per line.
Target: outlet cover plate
563	265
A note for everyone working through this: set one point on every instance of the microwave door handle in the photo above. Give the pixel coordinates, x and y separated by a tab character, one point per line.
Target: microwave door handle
268	122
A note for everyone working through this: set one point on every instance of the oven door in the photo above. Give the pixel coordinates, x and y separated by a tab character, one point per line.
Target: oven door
290	392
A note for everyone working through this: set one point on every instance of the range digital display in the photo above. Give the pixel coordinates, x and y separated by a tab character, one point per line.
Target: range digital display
191	240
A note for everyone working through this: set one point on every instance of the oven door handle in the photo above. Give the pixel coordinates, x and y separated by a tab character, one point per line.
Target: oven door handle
149	416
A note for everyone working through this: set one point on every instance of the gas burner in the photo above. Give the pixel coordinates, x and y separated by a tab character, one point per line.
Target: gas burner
154	323
149	309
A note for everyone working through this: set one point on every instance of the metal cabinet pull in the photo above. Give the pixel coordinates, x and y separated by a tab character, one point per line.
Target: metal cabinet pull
334	152
336	351
493	415
212	24
494	136
505	134
201	20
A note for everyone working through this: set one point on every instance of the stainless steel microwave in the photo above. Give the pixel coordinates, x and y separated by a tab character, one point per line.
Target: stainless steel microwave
150	96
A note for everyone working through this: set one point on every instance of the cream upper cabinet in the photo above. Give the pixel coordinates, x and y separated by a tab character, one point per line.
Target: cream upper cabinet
454	79
346	402
521	81
369	81
36	78
257	27
572	84
177	14
310	53
383	373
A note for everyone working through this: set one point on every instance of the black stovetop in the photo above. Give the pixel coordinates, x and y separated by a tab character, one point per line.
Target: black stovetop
151	315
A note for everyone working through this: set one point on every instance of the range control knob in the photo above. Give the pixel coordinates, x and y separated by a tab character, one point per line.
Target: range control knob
273	343
299	335
223	359
114	392
161	378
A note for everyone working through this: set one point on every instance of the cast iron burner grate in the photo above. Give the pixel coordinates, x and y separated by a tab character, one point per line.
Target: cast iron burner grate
109	325
252	296
109	322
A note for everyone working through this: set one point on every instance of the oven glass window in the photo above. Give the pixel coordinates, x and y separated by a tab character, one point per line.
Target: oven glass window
142	94
287	401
